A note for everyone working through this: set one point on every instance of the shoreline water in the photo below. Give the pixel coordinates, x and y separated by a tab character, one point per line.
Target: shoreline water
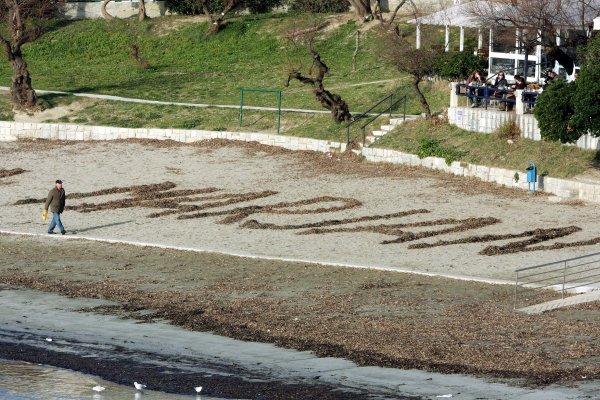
168	358
20	380
174	360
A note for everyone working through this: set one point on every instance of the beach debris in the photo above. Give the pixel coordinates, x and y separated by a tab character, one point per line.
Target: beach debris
139	386
98	388
198	389
444	395
48	339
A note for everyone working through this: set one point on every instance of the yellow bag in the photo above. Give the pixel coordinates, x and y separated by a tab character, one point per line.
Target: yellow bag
45	215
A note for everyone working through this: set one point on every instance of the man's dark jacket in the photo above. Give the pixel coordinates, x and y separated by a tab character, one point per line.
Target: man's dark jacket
55	201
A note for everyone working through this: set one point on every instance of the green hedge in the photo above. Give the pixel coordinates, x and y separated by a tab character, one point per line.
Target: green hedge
553	110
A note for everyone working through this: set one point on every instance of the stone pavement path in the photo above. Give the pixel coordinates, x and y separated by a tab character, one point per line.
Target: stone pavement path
567	301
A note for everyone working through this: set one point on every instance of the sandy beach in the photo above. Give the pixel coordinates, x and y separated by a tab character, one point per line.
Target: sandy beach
279	206
252	200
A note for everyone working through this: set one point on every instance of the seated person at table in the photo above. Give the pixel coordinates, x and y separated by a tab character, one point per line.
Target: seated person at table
501	84
474	79
518	85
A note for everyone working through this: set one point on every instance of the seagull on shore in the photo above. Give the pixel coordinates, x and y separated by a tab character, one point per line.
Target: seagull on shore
98	388
139	386
198	389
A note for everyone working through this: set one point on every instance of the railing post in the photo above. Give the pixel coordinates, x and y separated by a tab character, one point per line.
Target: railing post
279	112
486	94
363	136
454	94
516	286
404	117
241	106
348	135
564	279
391	104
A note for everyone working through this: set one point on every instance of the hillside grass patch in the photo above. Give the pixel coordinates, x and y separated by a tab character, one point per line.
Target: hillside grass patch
551	158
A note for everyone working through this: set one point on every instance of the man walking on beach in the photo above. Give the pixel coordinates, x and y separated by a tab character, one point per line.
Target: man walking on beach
56	202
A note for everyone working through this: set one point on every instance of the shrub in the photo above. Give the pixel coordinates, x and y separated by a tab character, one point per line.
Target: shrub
320	6
586	108
457	65
262	6
184	7
192	7
433	148
553	110
508	130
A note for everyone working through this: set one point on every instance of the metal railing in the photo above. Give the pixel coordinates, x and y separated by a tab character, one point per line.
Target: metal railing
487	94
565	275
370	113
374	118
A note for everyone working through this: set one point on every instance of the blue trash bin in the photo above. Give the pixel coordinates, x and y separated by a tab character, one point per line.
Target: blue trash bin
531	175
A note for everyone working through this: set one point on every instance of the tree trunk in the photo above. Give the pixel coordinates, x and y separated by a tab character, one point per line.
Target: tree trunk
142	15
362	8
21	91
422	98
334	103
105	13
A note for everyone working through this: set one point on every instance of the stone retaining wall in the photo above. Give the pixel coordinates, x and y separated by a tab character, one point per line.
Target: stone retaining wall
487	121
118	9
560	187
10	131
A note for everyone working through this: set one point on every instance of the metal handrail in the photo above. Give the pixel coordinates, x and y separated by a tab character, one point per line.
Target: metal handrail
560	279
402	99
557	262
365	114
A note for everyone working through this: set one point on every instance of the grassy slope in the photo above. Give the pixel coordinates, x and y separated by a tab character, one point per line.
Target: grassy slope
551	158
93	56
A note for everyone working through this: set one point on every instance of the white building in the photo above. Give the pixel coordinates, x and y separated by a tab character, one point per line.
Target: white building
509	57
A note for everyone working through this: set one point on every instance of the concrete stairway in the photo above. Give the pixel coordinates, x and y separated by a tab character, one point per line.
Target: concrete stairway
567	301
385	129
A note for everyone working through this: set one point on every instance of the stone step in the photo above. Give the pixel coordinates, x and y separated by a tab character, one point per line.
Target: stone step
378	133
399	121
567	301
370	139
387	128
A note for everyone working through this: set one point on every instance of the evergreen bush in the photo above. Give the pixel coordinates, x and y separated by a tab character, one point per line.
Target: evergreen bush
586	107
458	65
319	6
193	7
553	110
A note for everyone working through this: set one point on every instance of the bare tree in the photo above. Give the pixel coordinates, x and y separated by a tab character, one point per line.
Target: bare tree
216	16
419	63
362	8
141	15
103	11
367	10
543	19
26	21
299	38
333	102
